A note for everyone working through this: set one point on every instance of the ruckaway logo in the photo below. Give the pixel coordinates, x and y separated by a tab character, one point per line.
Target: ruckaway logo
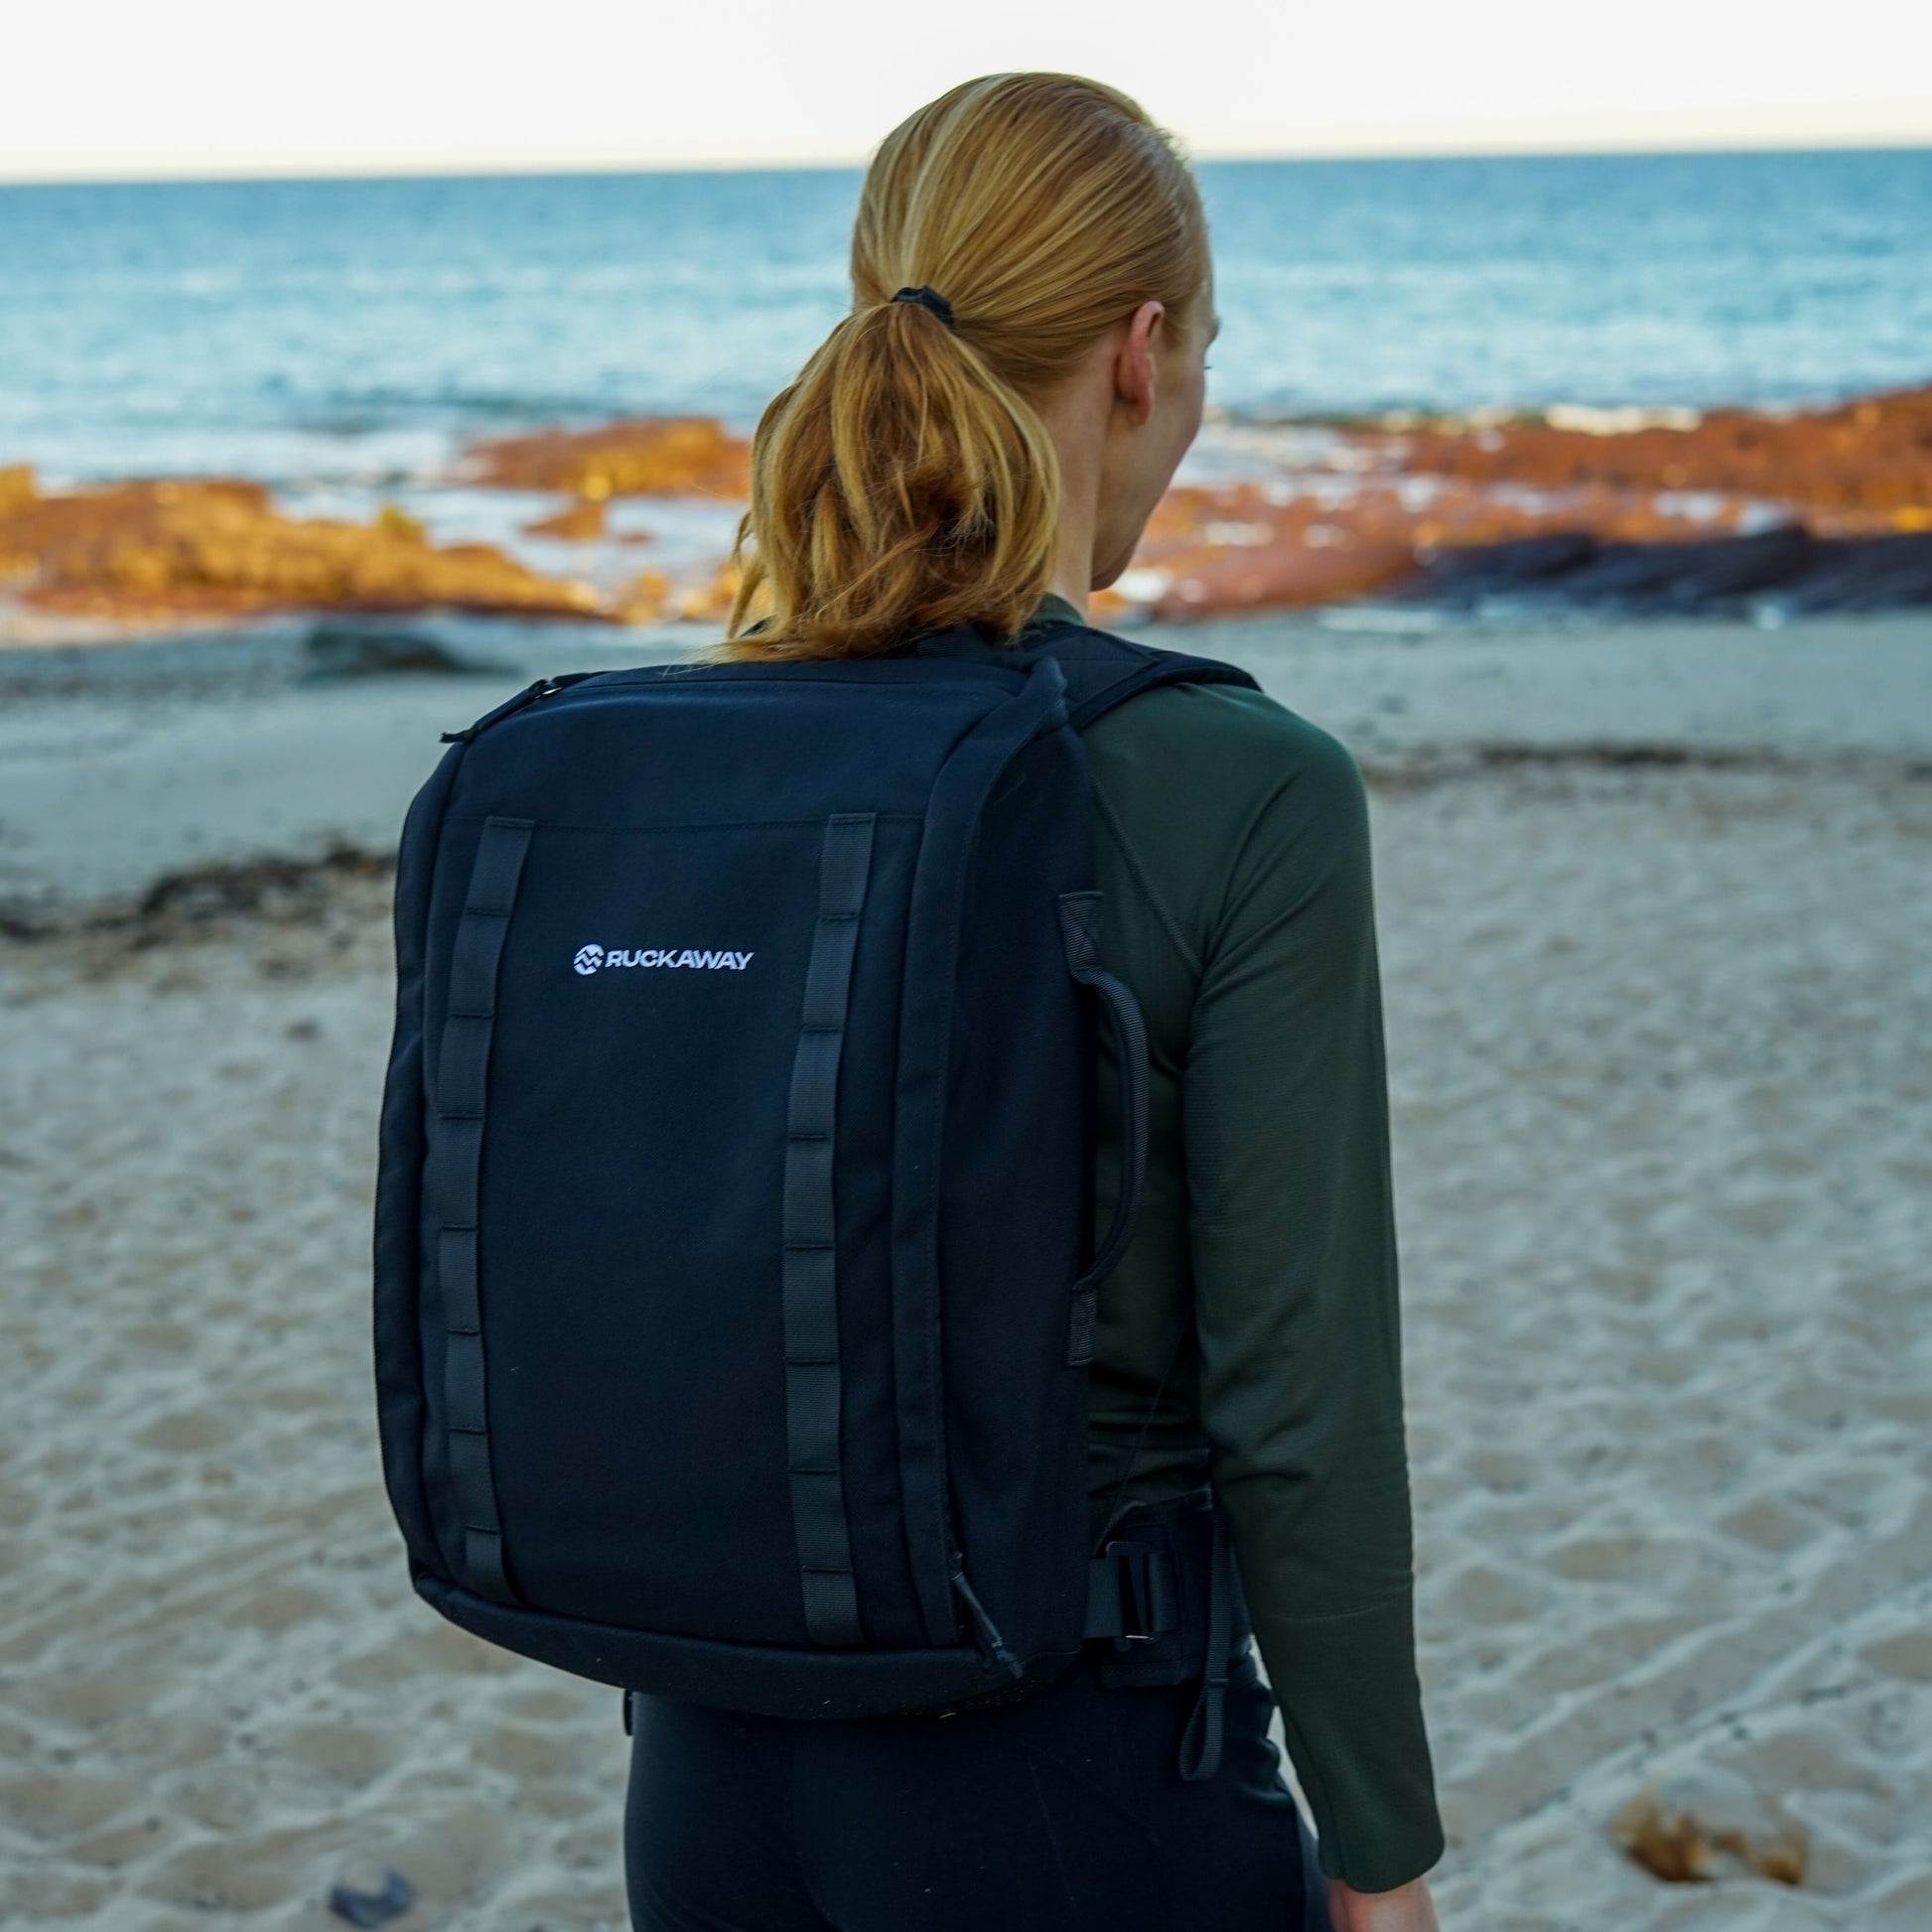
596	959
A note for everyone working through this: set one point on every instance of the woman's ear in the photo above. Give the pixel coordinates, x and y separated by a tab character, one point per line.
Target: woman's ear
1133	364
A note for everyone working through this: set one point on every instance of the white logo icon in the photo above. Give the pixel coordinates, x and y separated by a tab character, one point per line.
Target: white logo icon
591	959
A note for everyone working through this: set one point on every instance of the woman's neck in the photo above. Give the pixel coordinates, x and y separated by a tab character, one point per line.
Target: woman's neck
1072	583
1071	574
1075	437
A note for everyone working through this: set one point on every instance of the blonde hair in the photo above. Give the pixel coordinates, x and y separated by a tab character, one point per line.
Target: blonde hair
906	483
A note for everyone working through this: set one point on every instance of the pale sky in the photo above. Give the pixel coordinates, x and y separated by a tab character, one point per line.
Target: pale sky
139	87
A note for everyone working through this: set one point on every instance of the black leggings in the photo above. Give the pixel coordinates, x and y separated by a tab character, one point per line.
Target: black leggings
1060	1814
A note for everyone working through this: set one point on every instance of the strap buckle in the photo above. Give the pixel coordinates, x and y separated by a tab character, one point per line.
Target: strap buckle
1132	1593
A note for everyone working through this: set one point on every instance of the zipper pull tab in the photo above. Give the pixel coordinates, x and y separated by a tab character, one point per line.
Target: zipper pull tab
468	735
986	1635
544	687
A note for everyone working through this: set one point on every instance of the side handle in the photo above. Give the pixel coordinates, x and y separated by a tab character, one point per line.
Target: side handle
1080	932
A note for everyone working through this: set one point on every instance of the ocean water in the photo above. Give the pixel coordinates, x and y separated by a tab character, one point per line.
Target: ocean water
342	335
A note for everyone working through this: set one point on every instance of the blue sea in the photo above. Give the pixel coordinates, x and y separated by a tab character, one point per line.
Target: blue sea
342	335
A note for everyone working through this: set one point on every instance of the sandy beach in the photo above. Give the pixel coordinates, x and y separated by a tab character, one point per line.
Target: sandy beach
1653	902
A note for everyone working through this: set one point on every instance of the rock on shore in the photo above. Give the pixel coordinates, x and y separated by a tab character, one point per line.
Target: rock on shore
1637	511
644	455
1667	510
1778	572
1829	508
1856	470
158	548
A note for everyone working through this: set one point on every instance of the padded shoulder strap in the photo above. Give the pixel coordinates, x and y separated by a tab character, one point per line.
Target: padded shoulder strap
1101	670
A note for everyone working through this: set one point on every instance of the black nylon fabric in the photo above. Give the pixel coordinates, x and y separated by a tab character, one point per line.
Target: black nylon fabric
397	1344
782	1155
1021	1104
1080	933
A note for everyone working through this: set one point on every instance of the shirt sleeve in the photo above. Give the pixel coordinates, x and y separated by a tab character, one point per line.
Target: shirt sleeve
1293	1245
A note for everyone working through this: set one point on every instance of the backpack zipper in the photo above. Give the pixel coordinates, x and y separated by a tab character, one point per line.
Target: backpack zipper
544	687
985	1633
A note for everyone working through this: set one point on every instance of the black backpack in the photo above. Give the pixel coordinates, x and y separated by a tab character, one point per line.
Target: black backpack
735	1270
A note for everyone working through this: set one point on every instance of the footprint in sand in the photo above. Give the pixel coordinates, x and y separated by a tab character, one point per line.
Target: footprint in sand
1766	1523
355	1753
185	1431
1906	1654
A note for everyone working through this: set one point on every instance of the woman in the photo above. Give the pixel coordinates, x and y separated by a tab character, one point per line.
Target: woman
981	441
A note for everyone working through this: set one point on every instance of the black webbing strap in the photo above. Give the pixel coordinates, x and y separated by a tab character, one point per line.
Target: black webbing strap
1200	1742
462	1070
1080	932
810	1267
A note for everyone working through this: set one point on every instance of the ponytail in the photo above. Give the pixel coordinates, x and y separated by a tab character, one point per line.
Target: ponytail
906	483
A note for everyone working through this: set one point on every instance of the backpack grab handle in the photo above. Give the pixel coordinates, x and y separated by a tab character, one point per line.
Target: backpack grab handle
1080	932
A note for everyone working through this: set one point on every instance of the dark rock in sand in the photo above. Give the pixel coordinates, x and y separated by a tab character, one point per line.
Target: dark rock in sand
1788	565
1520	561
348	650
1869	574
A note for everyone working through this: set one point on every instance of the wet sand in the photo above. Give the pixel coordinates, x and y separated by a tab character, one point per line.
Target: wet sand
1658	1047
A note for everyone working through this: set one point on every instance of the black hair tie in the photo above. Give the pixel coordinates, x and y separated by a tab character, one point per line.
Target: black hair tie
928	298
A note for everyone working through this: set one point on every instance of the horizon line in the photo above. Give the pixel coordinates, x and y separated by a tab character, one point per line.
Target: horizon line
565	167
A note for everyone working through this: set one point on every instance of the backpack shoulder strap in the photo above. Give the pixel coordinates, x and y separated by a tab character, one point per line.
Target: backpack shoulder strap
1102	672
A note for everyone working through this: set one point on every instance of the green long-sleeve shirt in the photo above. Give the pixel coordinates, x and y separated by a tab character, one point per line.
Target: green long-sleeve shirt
1261	1280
